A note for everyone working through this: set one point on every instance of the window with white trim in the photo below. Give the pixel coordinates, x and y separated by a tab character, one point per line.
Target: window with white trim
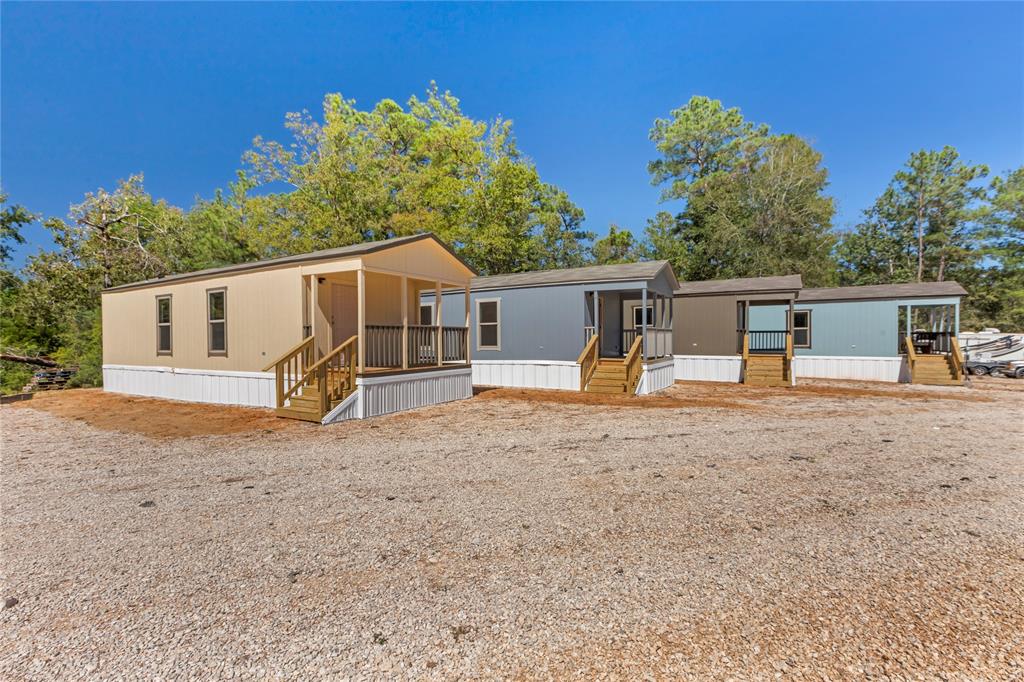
163	325
488	324
217	321
801	328
427	314
638	316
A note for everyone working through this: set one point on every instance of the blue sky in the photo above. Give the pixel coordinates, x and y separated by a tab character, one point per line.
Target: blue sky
93	93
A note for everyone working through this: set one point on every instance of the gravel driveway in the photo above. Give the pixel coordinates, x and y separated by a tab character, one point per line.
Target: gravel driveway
823	534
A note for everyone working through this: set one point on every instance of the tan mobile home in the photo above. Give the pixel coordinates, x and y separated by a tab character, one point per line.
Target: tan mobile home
322	336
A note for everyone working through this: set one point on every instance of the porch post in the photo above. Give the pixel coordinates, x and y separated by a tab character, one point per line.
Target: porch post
405	322
440	335
956	319
361	319
643	321
596	320
314	305
468	332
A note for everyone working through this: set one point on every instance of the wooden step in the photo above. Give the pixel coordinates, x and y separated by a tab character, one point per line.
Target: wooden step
610	374
604	381
304	415
592	388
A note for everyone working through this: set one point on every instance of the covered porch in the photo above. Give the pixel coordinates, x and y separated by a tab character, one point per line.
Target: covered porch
627	332
363	319
765	342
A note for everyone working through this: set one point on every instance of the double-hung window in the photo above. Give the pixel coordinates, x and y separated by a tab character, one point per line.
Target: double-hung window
217	321
163	325
638	316
488	324
801	328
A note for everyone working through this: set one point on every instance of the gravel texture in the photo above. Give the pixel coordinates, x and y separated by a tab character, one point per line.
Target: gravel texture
819	534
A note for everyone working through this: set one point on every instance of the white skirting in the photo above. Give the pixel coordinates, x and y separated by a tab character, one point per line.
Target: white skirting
251	389
708	368
377	395
527	374
727	368
657	375
851	367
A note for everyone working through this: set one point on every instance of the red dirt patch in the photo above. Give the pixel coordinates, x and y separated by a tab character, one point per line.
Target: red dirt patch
700	394
610	399
152	417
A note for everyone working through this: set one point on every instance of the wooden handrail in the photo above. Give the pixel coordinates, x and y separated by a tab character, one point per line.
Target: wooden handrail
958	358
746	347
334	353
588	361
587	348
294	350
633	364
789	357
292	364
911	355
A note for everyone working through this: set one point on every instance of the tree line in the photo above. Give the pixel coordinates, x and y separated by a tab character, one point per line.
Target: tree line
748	202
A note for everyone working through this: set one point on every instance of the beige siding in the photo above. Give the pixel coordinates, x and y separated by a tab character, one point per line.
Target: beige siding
264	319
266	308
425	260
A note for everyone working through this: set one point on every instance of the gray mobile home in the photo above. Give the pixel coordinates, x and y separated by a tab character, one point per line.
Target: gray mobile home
571	328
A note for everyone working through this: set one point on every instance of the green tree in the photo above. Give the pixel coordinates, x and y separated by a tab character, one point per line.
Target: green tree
923	227
754	203
620	246
12	219
997	287
390	171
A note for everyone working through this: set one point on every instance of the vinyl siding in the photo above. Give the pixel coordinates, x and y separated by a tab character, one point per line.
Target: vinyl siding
846	328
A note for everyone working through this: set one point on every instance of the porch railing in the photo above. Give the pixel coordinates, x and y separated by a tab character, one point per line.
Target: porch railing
454	344
384	345
767	341
927	343
422	345
659	341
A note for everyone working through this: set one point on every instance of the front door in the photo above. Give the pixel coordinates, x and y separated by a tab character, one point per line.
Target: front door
344	313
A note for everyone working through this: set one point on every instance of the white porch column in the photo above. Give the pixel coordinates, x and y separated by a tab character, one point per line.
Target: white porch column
440	336
405	322
361	319
314	308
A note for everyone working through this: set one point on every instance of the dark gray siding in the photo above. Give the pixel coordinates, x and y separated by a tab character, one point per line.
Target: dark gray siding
704	325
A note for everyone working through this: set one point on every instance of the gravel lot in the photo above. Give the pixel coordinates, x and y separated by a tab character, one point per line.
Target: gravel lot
833	531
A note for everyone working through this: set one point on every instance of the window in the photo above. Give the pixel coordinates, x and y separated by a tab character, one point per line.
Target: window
488	324
426	314
217	321
801	328
163	325
638	316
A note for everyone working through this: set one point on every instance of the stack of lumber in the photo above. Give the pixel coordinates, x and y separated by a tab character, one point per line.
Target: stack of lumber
50	379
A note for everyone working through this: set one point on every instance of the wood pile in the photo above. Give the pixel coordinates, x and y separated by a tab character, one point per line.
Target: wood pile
50	379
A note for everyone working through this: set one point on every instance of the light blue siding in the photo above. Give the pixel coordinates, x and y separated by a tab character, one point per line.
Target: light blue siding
846	328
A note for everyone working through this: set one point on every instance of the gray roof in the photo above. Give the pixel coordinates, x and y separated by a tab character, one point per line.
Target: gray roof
883	291
643	270
325	254
745	285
